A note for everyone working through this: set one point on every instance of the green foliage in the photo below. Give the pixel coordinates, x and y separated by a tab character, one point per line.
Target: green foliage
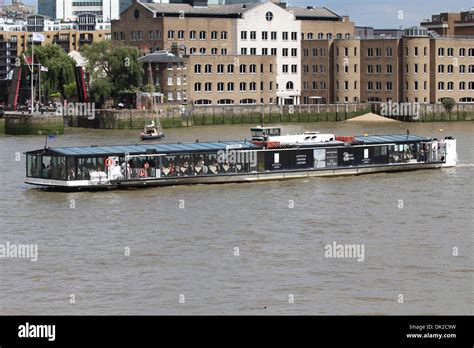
70	90
100	90
60	68
448	104
114	70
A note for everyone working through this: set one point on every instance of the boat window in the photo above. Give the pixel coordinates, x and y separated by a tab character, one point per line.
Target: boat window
47	167
88	165
307	138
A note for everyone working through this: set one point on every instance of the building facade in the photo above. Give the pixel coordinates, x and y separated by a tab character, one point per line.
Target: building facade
451	23
70	10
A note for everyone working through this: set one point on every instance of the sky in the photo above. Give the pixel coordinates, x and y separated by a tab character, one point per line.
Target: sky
380	13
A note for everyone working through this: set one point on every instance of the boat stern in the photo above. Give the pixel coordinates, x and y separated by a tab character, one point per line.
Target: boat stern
451	152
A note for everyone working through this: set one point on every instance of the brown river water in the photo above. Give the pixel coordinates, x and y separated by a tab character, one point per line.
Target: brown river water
173	250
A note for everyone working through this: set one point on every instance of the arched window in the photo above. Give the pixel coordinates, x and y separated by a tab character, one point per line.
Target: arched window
329	36
290	86
225	101
192	50
230	68
310	36
248	101
197	87
197	68
192	35
203	102
213	51
320	36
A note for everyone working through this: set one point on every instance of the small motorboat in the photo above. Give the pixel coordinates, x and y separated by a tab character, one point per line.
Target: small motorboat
152	132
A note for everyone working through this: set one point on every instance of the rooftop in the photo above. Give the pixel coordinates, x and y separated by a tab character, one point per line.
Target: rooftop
235	10
389	138
135	149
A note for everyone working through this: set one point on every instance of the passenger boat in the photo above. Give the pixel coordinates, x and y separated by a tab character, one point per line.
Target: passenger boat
269	155
152	132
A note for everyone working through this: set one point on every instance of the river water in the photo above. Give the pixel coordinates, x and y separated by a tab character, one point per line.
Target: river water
173	250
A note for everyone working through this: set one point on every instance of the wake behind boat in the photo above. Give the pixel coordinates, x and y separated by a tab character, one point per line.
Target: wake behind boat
268	156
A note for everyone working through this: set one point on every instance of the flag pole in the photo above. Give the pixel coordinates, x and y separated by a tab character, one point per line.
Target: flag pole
32	69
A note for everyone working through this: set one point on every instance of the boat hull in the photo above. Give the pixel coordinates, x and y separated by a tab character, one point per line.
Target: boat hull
230	178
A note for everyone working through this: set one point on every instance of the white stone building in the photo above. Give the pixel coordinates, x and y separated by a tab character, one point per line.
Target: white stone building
268	29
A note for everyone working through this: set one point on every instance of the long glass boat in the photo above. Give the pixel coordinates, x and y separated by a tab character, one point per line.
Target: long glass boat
267	156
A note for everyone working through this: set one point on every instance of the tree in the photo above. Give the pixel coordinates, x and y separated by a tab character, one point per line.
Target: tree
113	70
448	104
60	68
70	90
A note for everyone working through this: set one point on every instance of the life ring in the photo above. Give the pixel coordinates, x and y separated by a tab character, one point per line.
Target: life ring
142	173
108	162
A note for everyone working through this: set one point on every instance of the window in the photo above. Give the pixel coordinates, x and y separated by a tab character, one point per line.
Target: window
285	52
389	69
378	69
289	86
274	52
197	68
370	69
253	68
253	51
223	35
329	36
243	68
264	35
243	35
192	35
170	80
416	52
285	68
346	51
220	68
243	86
471	69
253	35
264	51
388	86
273	35
243	50
208	69
450	52
213	35
213	51
416	69
370	85
310	36
202	50
252	86
450	86
415	86
230	68
208	86
462	86
440	69
294	52
450	69
378	52
230	86
462	69
315	52
462	52
197	87
181	35
192	50
294	69
370	52
223	51
285	36
170	34
294	36
388	52
441	52
269	16
320	36
441	86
